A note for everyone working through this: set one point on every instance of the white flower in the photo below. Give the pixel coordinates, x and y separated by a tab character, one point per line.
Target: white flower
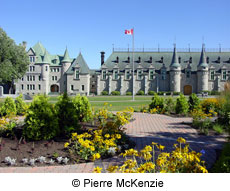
51	161
7	159
112	150
32	162
59	159
10	161
65	160
42	159
25	160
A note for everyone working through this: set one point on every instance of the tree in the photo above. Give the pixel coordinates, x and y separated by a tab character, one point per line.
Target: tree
14	60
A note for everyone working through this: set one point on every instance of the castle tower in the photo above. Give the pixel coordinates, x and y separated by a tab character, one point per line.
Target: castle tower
45	71
175	73
202	72
66	62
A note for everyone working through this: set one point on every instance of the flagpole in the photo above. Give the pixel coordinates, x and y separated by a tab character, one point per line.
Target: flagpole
133	67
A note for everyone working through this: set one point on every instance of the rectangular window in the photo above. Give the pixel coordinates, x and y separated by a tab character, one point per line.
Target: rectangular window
127	77
28	87
188	74
224	75
83	88
104	75
55	77
39	86
115	75
151	74
22	78
77	74
31	58
33	86
22	87
72	87
163	75
28	78
46	68
212	75
39	78
139	75
33	78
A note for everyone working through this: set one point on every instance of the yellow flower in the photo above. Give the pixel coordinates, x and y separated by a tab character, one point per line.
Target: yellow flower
153	143
112	169
92	148
107	136
96	156
97	170
181	140
160	147
118	136
66	145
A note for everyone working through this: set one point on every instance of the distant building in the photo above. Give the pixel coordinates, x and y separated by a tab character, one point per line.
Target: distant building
186	72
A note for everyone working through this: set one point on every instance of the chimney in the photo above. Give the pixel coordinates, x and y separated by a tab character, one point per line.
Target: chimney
24	43
117	59
151	59
139	59
102	58
128	59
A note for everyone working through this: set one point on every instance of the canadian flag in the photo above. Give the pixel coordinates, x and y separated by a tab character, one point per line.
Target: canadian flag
129	32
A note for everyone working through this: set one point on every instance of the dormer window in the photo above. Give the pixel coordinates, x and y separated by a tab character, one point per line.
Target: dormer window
179	59
115	74
77	74
127	74
151	74
190	59
139	75
103	74
207	59
212	75
32	59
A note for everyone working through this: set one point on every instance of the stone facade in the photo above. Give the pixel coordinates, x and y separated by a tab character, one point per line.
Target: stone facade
186	72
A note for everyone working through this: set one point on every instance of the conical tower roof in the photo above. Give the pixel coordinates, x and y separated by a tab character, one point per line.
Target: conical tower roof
46	58
175	62
66	56
203	62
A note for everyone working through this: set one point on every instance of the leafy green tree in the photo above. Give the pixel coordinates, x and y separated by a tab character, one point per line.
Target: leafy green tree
14	60
182	105
193	101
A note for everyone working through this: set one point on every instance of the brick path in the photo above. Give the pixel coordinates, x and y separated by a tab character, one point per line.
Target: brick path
143	130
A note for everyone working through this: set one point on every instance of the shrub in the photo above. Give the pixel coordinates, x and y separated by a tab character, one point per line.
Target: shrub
210	104
160	93
182	105
157	102
20	105
104	93
168	93
8	108
194	102
141	92
115	93
67	115
151	93
41	121
169	105
176	93
129	93
83	108
215	93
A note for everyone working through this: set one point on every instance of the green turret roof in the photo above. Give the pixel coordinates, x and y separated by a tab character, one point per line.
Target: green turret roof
39	49
175	62
66	56
203	62
46	58
79	61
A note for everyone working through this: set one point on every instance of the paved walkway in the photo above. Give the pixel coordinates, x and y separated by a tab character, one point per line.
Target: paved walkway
143	130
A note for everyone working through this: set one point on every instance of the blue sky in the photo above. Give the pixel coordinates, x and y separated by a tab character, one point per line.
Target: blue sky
91	26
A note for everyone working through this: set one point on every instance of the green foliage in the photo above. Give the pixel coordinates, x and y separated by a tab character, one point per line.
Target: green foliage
83	108
218	128
160	93
41	121
14	60
151	93
169	105
193	101
176	93
115	93
129	93
182	105
202	125
20	105
8	108
214	93
67	115
141	92
223	163
157	102
104	93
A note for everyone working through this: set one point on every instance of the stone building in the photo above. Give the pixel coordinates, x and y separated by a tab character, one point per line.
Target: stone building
187	72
